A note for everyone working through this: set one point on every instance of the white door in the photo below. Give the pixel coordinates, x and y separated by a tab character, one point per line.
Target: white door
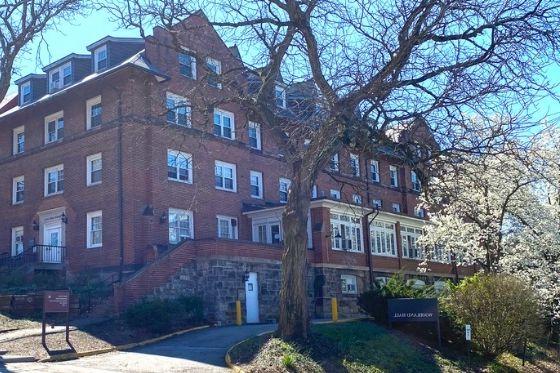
252	298
52	251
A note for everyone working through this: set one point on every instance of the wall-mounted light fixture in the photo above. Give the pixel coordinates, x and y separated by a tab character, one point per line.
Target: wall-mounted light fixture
64	218
35	225
148	210
163	218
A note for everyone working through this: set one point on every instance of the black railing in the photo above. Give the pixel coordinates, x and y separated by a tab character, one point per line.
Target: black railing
47	254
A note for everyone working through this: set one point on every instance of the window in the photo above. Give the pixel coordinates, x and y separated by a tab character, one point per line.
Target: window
19	140
60	77
18	188
357	199
224	124
94	229
100	58
333	164
54	127
54	180
178	110
284	186
256	184
348	283
382	238
25	92
255	135
374	170
394	174
440	254
280	96
214	71
335	194
346	233
396	207
377	204
227	227
179	166
187	65
93	112
17	241
416	186
226	178
410	247
419	212
94	166
314	192
381	281
269	232
180	225
355	164
416	283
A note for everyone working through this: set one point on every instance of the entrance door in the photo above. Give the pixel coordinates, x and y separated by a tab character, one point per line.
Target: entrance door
252	298
52	251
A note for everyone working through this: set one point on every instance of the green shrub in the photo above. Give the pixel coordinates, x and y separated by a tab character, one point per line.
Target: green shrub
501	310
162	315
289	361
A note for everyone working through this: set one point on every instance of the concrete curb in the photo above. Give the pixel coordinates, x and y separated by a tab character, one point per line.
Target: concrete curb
17	359
238	369
76	355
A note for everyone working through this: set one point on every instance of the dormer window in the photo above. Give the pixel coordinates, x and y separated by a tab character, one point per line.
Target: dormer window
25	93
214	71
280	96
60	77
100	58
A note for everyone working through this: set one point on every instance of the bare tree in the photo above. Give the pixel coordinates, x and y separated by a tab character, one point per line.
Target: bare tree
21	21
371	69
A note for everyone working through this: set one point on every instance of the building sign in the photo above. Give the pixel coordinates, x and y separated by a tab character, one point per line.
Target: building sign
414	310
468	332
56	301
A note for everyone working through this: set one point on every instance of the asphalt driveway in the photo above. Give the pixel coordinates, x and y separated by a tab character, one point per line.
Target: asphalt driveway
199	351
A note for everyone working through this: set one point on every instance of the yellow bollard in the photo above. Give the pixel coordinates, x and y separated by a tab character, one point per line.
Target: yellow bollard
334	309
238	312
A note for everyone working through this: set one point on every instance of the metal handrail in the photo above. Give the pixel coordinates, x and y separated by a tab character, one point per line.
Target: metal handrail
35	254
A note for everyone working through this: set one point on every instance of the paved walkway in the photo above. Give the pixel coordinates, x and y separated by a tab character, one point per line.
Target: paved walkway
199	351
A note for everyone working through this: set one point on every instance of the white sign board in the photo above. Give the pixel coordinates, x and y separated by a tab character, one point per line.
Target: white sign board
467	332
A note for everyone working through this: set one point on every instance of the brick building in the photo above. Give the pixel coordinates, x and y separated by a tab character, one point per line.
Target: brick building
112	162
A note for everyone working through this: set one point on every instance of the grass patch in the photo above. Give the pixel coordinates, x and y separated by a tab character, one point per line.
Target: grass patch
366	347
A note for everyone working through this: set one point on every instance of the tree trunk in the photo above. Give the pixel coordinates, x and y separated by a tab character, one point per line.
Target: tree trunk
294	311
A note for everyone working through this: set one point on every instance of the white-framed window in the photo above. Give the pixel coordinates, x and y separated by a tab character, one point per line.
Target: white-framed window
346	233
416	283
374	170
283	188
314	191
411	249
377	203
440	254
179	166
440	285
180	225
54	180
17	240
214	71
394	175
100	61
396	207
280	96
25	90
254	132
227	227
268	232
94	229
355	164
224	124
18	190
335	194
256	184
94	110
383	239
54	127
178	110
187	65
416	185
334	163
60	77
18	140
419	212
349	284
226	176
357	199
94	167
381	281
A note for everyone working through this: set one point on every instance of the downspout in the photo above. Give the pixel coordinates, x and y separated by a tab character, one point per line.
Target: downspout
367	230
121	188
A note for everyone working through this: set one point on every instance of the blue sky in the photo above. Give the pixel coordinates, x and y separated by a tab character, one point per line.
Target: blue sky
74	36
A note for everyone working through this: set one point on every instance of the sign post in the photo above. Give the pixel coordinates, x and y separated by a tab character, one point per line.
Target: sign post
56	302
468	337
414	310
